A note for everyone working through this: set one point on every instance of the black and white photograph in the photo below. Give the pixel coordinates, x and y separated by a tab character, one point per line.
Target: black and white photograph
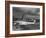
25	18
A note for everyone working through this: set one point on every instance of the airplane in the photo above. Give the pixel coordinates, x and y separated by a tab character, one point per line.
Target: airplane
23	22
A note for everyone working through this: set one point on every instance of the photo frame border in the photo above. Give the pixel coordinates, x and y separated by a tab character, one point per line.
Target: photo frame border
7	18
